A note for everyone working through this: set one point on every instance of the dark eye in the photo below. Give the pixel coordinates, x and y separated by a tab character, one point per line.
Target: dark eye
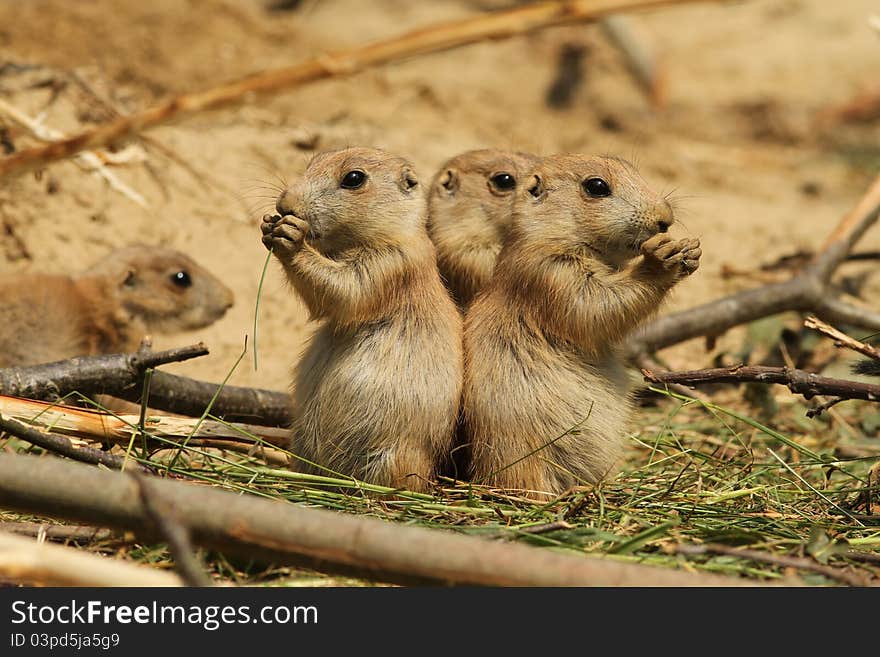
181	279
503	181
353	179
596	187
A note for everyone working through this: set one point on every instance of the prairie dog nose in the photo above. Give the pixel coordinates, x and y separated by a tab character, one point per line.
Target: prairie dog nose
287	203
664	216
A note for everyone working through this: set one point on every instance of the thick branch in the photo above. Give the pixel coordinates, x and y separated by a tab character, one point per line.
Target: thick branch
120	375
179	394
495	25
798	381
836	311
89	374
176	535
715	317
282	533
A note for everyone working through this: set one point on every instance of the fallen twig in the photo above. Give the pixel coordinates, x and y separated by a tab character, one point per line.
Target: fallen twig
26	560
436	38
286	534
799	563
800	382
807	291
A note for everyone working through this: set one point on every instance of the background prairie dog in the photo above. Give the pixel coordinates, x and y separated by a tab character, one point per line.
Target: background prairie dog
107	309
469	207
377	392
541	373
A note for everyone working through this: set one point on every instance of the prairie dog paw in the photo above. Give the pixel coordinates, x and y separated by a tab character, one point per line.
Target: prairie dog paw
284	236
678	258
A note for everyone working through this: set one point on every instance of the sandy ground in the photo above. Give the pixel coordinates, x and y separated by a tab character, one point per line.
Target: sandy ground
755	175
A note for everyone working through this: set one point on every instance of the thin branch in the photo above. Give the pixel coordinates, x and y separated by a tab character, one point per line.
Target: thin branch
799	563
53	532
821	408
287	534
87	160
841	339
798	381
435	38
26	560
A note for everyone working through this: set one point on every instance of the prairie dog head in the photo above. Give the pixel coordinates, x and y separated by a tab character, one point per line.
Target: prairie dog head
355	196
475	191
163	287
601	203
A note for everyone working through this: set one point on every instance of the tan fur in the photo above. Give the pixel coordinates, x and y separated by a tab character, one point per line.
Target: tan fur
106	309
377	392
469	215
542	375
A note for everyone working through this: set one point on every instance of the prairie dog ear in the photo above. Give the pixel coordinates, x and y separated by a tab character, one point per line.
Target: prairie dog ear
449	180
408	180
535	187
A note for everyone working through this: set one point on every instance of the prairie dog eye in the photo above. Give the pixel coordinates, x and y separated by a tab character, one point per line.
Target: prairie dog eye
181	279
596	187
353	179
503	181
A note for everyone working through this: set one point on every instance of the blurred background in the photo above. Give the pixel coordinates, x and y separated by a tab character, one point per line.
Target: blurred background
765	121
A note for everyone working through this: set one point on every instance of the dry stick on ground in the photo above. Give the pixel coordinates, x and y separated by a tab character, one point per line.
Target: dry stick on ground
798	381
176	535
436	38
89	374
160	432
121	375
800	563
286	534
52	442
26	560
807	291
52	532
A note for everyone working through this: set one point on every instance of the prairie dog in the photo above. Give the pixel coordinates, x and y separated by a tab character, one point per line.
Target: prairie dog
469	207
109	308
377	392
545	399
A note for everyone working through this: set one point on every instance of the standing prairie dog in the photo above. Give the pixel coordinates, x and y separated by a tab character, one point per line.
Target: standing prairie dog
377	392
545	399
109	308
469	207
